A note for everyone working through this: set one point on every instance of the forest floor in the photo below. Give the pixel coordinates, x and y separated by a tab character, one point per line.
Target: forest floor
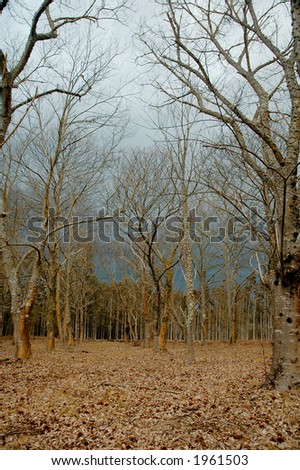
107	395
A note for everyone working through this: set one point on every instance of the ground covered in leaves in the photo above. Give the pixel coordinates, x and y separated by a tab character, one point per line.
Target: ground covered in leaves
106	395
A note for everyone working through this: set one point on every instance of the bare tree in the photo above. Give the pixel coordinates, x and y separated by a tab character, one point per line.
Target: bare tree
46	23
142	189
18	73
267	131
179	129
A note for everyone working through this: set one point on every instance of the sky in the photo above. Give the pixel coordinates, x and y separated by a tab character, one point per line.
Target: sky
14	27
13	31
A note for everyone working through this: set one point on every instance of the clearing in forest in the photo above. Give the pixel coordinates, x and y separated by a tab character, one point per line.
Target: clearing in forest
107	395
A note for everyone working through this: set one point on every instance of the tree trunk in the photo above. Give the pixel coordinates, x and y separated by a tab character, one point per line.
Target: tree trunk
21	310
203	311
133	327
126	329
22	314
233	323
68	330
51	339
5	97
190	342
190	309
51	309
23	346
163	333
295	11
81	324
57	307
188	265
147	317
164	327
285	372
156	320
51	324
254	317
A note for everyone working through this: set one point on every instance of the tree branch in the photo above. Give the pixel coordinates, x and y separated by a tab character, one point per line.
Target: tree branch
32	39
3	4
45	93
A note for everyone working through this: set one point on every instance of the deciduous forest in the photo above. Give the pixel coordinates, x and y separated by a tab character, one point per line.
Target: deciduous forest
150	224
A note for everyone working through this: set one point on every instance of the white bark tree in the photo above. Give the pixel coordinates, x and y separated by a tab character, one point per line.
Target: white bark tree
247	82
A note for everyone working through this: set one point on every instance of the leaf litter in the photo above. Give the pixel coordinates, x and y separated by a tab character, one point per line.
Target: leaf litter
106	395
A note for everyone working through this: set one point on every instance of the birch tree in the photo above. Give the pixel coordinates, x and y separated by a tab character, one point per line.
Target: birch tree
247	83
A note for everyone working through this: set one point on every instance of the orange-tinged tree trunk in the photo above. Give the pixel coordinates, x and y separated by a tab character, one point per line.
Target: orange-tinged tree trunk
23	346
147	316
22	321
51	340
164	327
57	308
163	333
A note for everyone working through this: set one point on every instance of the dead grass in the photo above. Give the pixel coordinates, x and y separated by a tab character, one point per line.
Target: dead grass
115	396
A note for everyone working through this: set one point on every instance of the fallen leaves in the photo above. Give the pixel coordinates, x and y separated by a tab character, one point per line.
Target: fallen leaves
113	396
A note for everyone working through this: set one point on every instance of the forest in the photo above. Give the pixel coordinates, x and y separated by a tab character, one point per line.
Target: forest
149	224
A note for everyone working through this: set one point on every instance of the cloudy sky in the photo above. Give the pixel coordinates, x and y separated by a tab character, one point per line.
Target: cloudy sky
14	26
